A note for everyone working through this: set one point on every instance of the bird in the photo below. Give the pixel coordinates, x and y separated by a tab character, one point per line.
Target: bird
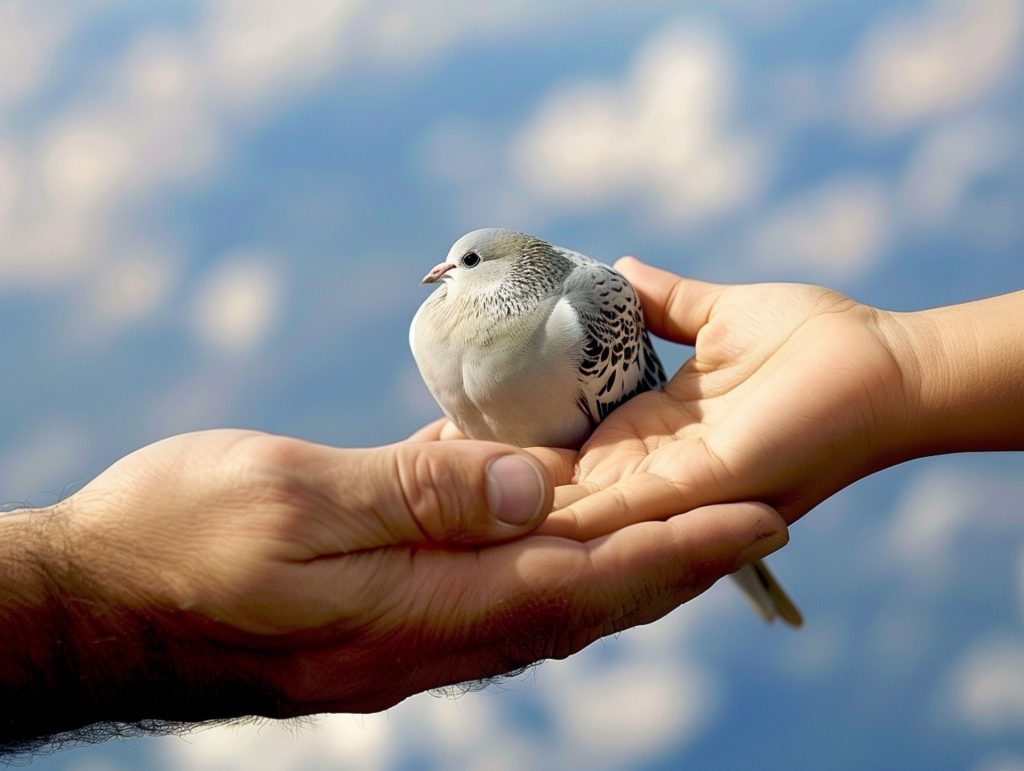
531	344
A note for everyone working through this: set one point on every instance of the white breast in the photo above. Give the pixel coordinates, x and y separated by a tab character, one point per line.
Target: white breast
516	381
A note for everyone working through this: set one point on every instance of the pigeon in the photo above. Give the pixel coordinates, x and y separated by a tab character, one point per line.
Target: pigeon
531	344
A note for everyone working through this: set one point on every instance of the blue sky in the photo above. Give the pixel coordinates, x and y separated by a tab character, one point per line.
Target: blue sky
218	213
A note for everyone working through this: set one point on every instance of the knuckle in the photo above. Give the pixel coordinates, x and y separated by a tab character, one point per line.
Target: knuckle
267	451
434	494
267	466
674	300
265	479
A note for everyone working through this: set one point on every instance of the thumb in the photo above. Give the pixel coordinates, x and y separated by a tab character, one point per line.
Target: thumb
675	308
449	492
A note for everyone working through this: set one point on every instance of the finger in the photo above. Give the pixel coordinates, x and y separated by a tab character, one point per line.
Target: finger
450	431
430	432
675	308
441	429
438	492
565	496
474	616
548	589
639	497
561	464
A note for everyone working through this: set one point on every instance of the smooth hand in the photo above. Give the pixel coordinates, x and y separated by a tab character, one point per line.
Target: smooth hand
793	392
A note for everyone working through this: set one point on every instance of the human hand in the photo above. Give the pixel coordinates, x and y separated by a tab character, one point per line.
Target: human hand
229	573
793	392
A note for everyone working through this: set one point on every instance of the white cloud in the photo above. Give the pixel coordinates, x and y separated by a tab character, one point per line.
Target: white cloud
38	244
409	31
80	183
924	556
837	231
928	517
127	288
406	32
916	65
10	186
163	111
453	727
31	33
159	119
237	304
662	135
949	160
938	506
262	48
625	703
629	712
337	740
85	163
986	689
474	731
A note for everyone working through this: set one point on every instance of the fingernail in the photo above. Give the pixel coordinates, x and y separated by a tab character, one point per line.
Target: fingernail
765	544
515	490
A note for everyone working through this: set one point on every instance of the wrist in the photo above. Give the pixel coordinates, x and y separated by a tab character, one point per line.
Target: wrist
35	680
963	369
79	649
136	655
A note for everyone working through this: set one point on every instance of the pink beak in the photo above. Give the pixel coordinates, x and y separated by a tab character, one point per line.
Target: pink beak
436	272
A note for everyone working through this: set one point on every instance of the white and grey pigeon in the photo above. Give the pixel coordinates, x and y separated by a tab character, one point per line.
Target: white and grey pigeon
534	345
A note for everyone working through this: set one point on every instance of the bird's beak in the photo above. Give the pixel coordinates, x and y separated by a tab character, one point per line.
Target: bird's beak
436	272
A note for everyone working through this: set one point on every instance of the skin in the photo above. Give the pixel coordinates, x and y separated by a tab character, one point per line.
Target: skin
228	573
793	392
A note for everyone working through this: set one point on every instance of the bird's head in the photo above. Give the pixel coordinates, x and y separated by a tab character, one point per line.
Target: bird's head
500	268
481	260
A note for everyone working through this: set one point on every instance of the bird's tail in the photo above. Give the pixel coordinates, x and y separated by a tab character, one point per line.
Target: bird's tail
768	598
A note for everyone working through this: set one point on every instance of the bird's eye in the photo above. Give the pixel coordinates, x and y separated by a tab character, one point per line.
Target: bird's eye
471	259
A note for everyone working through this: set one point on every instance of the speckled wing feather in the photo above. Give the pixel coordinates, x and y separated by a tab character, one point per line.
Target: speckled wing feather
618	361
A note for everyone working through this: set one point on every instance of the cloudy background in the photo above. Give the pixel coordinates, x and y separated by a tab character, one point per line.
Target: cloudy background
217	213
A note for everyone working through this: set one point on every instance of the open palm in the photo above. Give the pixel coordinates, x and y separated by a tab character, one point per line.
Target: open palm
791	394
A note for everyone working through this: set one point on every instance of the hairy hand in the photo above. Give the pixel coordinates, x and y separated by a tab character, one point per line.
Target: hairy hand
238	573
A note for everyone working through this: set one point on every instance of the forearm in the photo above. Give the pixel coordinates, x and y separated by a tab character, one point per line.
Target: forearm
38	691
72	655
964	366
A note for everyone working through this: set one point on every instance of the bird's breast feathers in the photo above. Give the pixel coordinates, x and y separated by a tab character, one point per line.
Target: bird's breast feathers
543	376
516	380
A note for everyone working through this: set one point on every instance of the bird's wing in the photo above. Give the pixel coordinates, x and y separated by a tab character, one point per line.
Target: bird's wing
617	359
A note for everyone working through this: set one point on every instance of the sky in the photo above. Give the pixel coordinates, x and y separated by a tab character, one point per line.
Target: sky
217	214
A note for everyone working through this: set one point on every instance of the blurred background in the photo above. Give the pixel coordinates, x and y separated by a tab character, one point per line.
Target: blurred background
217	214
